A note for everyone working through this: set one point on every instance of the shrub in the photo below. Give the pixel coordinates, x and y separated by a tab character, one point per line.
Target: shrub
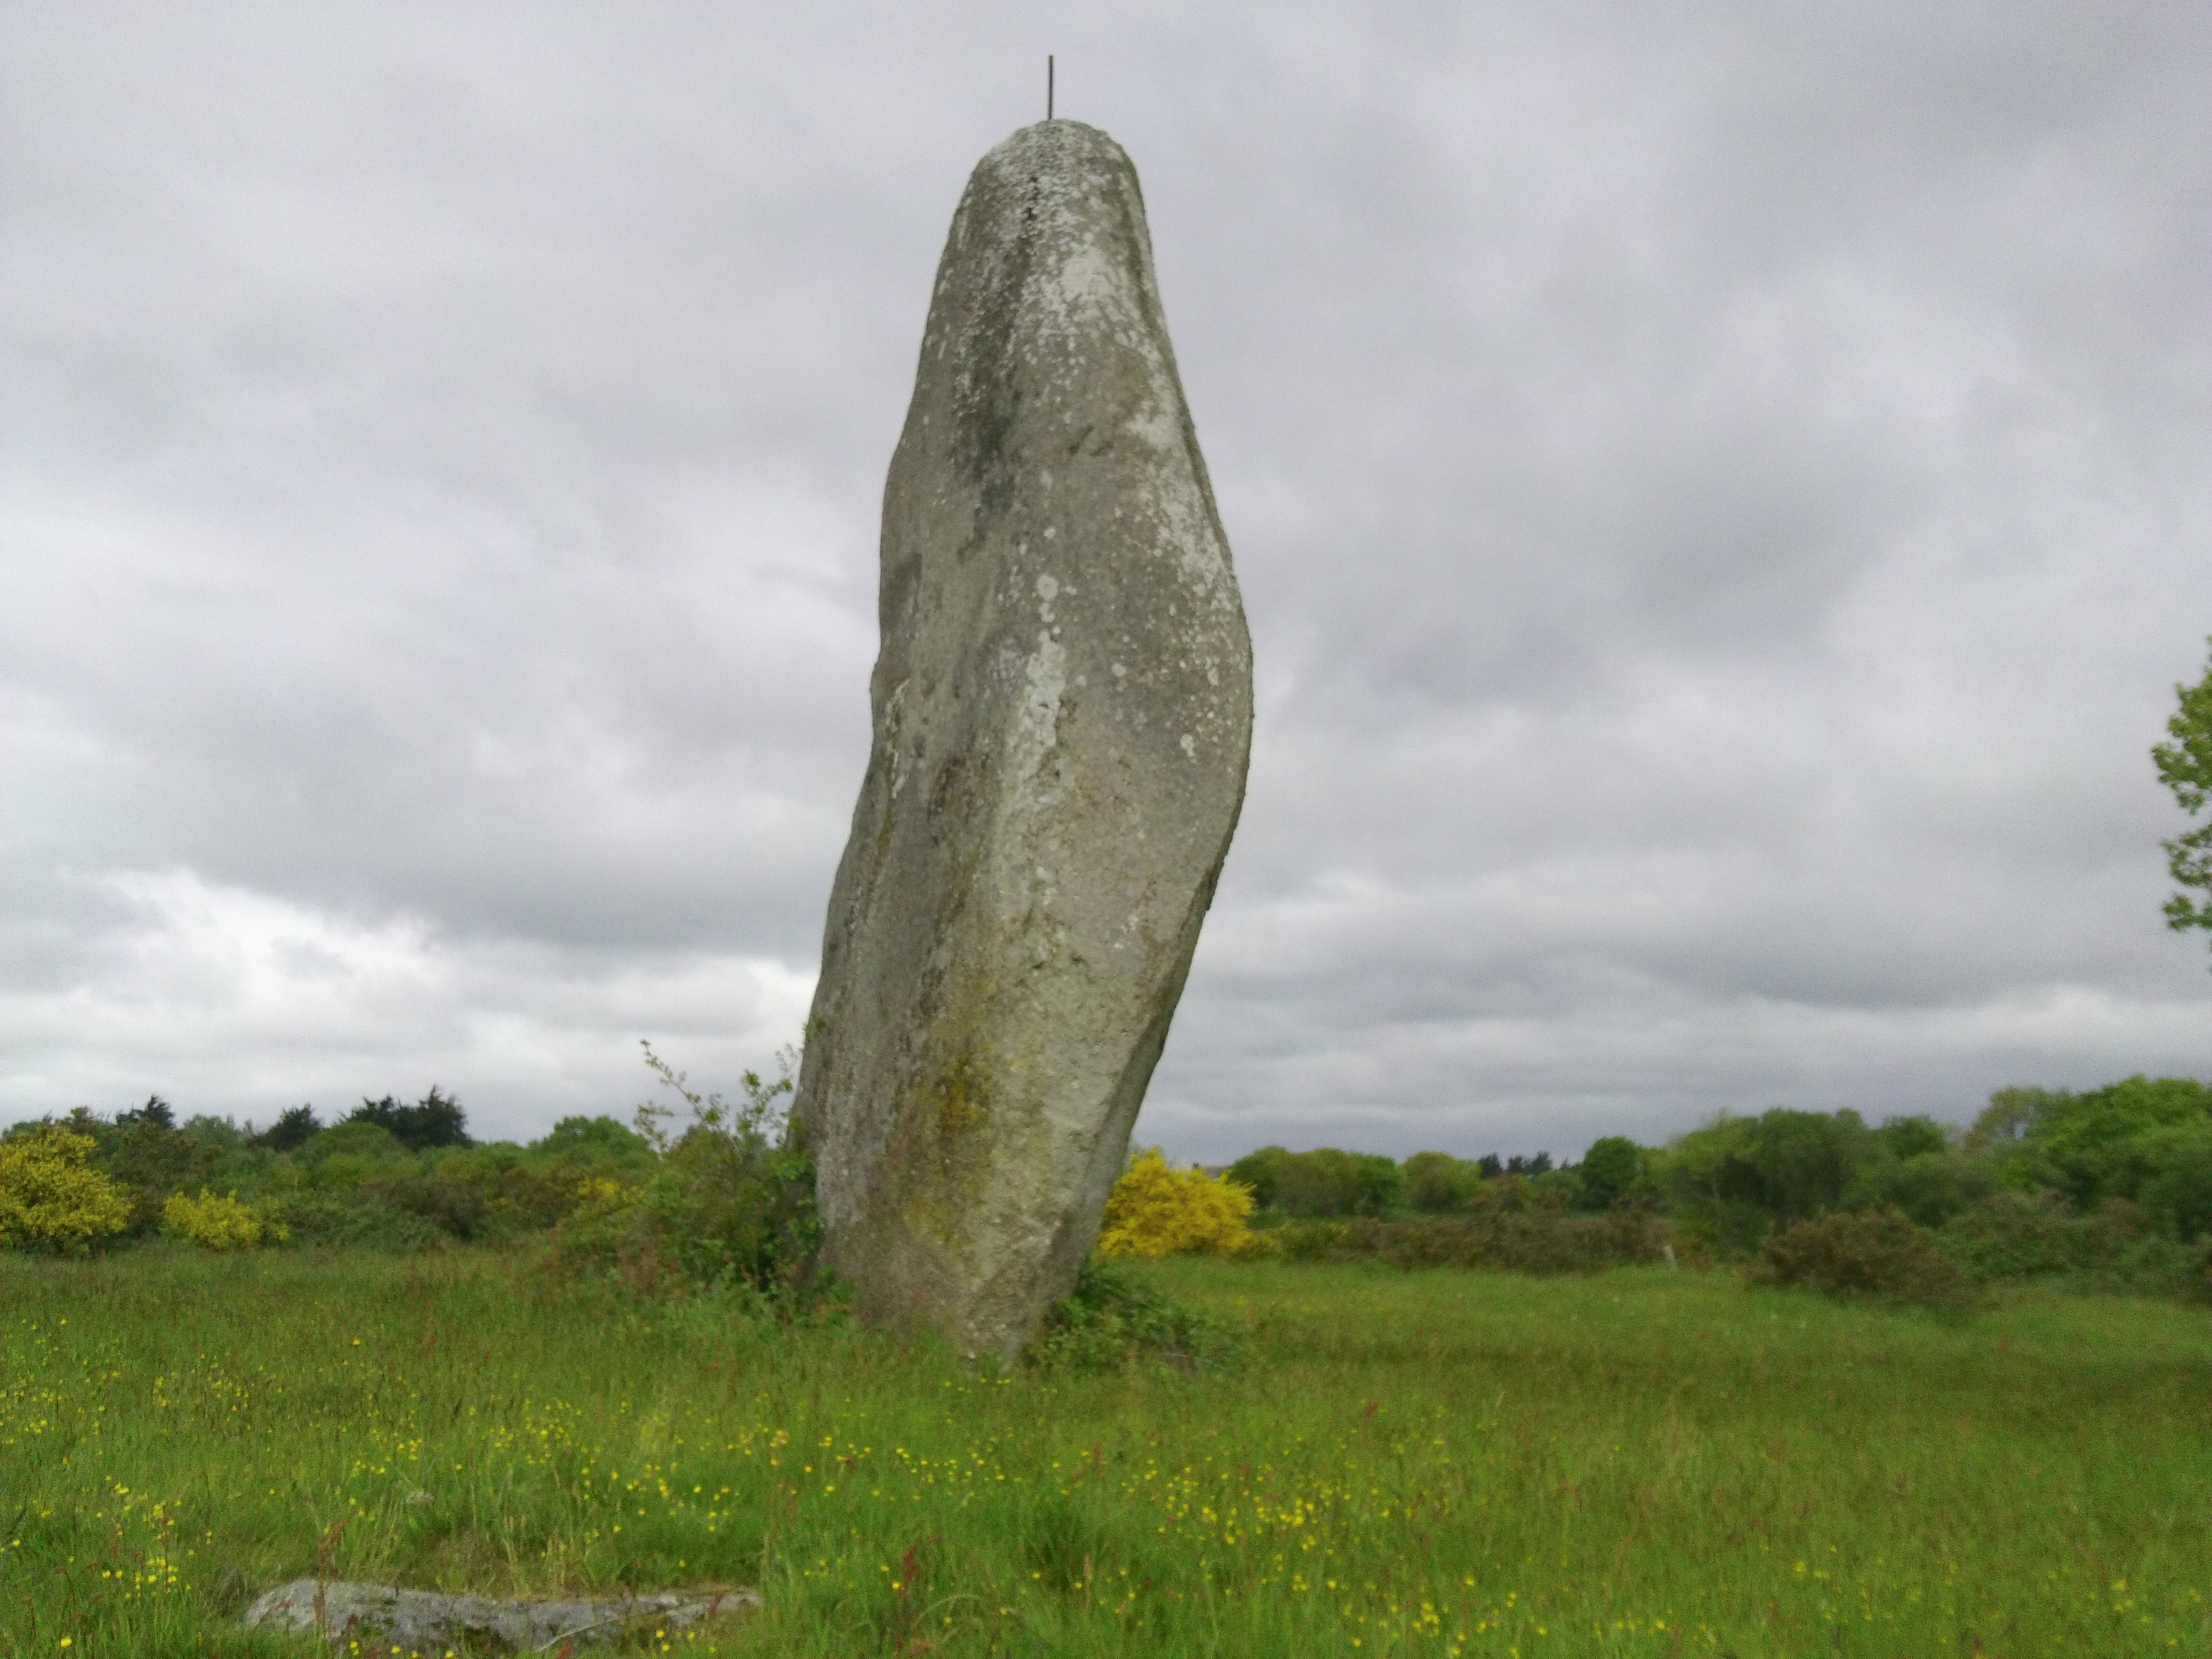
148	1159
1113	1321
2117	1246
361	1145
219	1224
732	1198
1508	1233
52	1198
1929	1187
349	1220
1879	1253
2009	1235
452	1203
1157	1211
2175	1179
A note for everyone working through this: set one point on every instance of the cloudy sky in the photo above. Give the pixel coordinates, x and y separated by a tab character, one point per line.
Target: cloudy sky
1722	493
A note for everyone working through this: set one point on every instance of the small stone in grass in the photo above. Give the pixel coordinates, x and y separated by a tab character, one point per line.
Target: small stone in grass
340	1609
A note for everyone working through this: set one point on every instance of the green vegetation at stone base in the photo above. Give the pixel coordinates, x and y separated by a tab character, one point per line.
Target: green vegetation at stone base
1637	1463
1116	1318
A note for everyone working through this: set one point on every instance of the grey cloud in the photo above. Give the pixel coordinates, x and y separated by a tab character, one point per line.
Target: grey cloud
1720	496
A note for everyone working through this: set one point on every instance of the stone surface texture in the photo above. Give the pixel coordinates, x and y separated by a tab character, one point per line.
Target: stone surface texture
340	1610
1063	713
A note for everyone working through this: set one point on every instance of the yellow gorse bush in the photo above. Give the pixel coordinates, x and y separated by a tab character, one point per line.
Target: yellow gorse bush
1155	1210
218	1224
52	1198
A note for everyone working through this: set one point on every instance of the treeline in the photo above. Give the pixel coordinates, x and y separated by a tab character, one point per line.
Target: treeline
386	1174
1326	1183
705	1193
2114	1183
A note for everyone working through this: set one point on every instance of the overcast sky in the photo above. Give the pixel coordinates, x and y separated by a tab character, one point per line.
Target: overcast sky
1722	493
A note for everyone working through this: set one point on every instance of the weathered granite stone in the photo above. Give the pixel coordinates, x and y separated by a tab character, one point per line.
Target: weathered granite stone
1063	711
340	1610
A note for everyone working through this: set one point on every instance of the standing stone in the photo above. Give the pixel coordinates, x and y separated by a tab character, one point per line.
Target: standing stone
1063	712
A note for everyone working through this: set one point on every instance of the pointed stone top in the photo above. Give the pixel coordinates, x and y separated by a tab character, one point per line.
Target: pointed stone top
1054	171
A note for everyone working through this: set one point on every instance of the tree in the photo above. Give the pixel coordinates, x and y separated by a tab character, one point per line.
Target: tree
1609	1169
436	1121
2185	766
603	1136
1260	1173
2005	1121
155	1111
1438	1183
1912	1137
293	1129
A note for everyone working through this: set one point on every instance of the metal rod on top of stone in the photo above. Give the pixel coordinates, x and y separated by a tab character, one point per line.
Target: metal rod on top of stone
1063	712
1047	86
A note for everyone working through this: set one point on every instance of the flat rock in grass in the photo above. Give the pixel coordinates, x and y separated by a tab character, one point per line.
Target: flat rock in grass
1063	715
340	1610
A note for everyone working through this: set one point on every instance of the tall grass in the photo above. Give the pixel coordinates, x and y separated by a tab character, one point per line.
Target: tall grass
1639	1463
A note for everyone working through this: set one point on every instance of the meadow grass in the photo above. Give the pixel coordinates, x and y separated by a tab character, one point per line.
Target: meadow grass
1433	1463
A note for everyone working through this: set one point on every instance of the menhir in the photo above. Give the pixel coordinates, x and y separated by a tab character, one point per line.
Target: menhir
1063	714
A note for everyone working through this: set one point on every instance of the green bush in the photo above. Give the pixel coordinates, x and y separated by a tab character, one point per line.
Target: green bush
2014	1234
2119	1246
2171	1176
148	1158
355	1148
1113	1321
349	1220
732	1199
1518	1237
1878	1253
1929	1187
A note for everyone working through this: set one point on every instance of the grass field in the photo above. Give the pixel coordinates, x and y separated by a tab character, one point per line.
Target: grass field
1643	1463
